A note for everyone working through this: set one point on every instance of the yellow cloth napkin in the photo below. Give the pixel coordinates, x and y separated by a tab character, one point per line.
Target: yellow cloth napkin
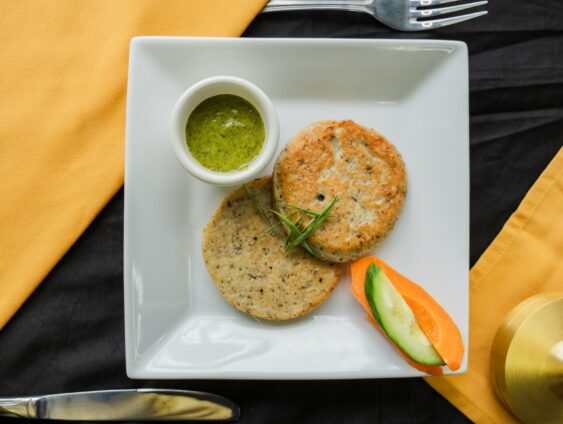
63	80
526	258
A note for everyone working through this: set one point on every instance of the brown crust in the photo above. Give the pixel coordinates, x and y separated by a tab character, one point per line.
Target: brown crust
250	267
345	160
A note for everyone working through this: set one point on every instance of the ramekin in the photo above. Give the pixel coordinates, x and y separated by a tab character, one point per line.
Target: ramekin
215	86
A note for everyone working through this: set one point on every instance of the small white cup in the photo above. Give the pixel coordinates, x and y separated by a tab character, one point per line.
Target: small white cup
215	86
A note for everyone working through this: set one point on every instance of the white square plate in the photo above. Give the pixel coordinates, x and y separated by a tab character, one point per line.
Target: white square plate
415	92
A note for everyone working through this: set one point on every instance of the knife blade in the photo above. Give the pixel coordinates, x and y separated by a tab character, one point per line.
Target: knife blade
123	405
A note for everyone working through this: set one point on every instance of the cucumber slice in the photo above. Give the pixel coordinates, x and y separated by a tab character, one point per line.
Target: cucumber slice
396	318
371	275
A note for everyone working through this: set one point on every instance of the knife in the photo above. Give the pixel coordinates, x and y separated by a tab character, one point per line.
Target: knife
123	405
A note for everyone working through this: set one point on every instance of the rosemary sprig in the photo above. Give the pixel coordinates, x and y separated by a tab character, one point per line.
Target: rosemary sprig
300	209
312	249
313	225
294	231
297	224
298	235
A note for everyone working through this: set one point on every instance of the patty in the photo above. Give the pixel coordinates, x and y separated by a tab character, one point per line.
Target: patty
249	266
356	165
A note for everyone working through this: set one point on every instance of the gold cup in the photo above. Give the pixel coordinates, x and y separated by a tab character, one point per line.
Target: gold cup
527	360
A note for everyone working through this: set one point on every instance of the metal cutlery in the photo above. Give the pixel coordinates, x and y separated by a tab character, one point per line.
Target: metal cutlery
123	405
403	15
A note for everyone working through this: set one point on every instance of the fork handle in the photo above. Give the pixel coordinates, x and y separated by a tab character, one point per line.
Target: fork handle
288	5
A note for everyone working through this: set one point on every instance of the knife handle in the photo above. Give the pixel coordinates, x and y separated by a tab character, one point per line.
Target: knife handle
18	407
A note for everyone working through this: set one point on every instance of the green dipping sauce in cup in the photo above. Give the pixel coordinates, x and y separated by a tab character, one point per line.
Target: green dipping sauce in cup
225	133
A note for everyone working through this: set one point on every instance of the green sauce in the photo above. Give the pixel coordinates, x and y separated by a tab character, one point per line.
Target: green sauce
225	133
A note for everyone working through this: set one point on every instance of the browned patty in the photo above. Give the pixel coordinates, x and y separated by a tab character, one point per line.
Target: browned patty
251	268
355	164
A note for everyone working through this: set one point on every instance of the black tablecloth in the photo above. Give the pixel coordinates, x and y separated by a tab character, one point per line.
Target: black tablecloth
69	335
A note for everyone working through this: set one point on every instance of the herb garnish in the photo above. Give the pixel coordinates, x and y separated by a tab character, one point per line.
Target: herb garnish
298	233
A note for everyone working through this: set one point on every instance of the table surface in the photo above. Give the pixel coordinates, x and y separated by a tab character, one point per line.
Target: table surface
69	335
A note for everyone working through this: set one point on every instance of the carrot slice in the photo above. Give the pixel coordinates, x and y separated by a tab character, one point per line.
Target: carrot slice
428	369
358	271
435	323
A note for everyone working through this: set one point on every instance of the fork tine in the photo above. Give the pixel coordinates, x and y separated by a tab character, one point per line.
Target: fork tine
438	23
444	10
423	3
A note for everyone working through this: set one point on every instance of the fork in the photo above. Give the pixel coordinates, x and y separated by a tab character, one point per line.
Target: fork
403	15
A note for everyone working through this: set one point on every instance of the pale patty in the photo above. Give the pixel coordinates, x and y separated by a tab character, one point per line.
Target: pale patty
249	265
